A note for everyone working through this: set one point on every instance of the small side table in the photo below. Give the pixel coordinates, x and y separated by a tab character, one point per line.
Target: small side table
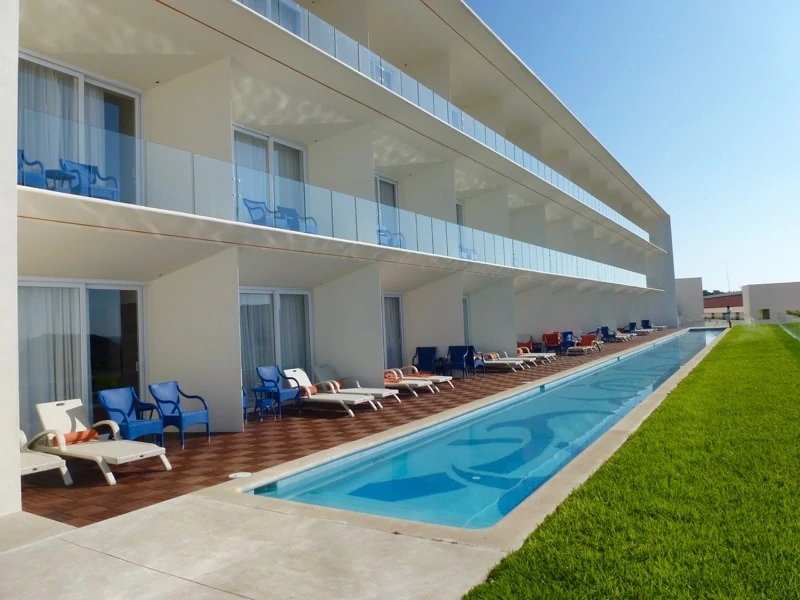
58	180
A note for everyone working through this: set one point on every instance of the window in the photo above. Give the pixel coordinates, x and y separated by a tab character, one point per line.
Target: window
460	213
763	314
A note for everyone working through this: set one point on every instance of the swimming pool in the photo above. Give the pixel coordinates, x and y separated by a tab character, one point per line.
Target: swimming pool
474	469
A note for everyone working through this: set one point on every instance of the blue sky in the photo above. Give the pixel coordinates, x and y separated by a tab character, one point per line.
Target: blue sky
699	100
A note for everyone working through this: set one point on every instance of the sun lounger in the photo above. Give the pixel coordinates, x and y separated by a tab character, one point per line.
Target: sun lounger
493	359
412	372
394	379
68	423
31	461
330	380
539	356
309	393
587	343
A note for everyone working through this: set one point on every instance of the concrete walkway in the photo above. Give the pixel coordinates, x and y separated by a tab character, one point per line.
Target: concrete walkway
192	547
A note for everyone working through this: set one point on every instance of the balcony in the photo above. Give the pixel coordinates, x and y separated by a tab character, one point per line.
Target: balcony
76	158
304	24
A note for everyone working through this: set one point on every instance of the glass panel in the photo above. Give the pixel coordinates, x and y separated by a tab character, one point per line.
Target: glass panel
319	208
293	18
321	34
479	245
346	49
256	322
508	249
468	125
455	116
344	216
425	234
390	77
367	221
489	248
392	332
465	311
113	342
50	341
439	228
290	188
408	229
453	239
425	99
252	181
295	333
480	132
440	107
409	89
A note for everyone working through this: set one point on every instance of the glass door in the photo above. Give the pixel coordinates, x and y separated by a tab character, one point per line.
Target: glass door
114	348
252	186
386	196
393	331
257	325
295	346
111	144
465	309
290	185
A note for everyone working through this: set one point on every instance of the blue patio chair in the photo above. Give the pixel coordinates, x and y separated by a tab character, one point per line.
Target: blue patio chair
567	341
387	238
270	394
425	359
297	223
608	335
126	410
468	253
464	359
87	181
632	327
29	177
646	324
168	396
260	214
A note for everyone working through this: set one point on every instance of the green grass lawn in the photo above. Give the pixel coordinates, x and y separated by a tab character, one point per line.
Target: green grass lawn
703	501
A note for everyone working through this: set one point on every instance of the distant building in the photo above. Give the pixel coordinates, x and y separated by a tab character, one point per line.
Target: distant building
716	305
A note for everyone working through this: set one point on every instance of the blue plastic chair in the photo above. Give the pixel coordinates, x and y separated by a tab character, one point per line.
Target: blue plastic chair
30	178
260	214
387	238
168	396
126	410
632	327
297	223
464	359
608	335
425	359
567	341
270	394
86	182
646	324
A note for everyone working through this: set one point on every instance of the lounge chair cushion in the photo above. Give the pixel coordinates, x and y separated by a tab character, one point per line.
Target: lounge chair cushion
309	390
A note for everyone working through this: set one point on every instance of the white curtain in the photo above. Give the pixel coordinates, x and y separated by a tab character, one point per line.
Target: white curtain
252	171
289	180
392	332
256	318
94	108
295	343
47	114
50	366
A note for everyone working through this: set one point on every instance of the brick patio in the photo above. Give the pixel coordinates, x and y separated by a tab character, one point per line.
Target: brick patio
262	445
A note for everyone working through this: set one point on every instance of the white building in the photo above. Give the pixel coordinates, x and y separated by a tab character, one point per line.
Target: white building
271	182
771	301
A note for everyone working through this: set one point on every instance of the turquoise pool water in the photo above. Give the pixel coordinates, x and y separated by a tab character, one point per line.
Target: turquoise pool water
473	470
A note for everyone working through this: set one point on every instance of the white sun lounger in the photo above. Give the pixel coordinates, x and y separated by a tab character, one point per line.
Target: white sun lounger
346	401
330	381
509	363
31	461
411	372
69	416
539	356
401	382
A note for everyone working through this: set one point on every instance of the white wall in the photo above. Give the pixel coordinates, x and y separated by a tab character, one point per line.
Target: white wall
529	225
777	297
662	308
432	71
9	370
493	324
188	124
432	316
533	312
689	296
344	163
488	212
348	325
431	192
193	334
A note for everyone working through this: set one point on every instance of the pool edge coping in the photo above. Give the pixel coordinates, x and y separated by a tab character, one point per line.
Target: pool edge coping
510	532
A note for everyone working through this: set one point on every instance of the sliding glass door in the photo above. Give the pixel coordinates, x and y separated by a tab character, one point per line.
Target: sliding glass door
275	330
251	154
393	331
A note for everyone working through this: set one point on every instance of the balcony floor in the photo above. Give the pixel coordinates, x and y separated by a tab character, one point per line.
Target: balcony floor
262	445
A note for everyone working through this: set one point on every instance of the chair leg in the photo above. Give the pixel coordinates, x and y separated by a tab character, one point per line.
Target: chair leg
101	462
165	462
450	383
208	431
183	440
65	475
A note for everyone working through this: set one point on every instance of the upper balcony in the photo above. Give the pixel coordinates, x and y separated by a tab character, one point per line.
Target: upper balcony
97	163
301	22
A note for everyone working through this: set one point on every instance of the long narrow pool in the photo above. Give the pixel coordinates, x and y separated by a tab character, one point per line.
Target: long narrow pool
473	470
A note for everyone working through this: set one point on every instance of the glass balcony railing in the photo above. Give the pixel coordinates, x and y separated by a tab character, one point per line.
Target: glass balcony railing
76	158
299	21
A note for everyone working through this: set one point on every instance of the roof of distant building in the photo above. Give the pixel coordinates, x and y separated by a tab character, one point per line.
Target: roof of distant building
732	299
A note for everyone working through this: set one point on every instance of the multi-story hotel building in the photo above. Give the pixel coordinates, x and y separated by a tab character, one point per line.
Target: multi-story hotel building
203	187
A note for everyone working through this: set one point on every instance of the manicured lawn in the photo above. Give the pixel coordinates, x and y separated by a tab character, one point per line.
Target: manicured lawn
702	502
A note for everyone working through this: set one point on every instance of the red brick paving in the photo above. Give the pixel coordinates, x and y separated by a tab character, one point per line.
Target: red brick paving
262	445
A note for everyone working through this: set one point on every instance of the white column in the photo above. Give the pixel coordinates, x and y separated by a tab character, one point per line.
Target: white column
348	325
534	312
9	369
193	334
432	316
488	212
492	319
189	152
431	192
661	275
344	163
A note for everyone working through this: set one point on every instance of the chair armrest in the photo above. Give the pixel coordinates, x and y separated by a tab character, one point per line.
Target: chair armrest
111	424
62	444
305	390
34	163
110	410
194	397
109	178
328	386
296	383
307	219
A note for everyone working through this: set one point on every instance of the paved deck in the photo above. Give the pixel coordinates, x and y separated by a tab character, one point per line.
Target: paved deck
263	444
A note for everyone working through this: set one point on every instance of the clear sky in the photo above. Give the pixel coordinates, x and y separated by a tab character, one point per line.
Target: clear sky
699	100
